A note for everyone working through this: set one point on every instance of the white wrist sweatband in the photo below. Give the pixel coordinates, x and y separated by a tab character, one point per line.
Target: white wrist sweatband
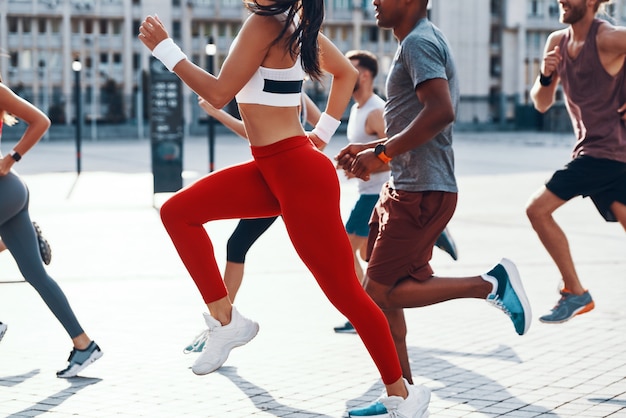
168	53
326	127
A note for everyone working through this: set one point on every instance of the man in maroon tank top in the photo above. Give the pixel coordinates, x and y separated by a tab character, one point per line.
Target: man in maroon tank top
587	58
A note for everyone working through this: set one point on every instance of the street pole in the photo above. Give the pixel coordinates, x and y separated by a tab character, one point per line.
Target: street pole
43	80
77	67
211	50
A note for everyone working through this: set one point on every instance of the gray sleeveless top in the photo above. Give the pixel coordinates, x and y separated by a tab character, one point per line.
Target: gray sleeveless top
592	99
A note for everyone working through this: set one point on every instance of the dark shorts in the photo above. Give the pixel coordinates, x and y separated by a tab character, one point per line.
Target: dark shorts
358	222
604	181
403	231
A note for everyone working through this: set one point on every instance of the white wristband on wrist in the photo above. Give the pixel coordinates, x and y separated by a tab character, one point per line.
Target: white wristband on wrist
326	127
168	53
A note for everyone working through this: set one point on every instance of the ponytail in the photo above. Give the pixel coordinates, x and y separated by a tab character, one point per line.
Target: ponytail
303	40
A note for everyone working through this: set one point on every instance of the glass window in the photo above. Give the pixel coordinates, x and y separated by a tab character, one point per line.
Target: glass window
27	25
41	25
88	26
55	25
104	26
176	29
13	24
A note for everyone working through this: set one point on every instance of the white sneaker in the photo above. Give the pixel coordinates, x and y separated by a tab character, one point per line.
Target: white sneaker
3	329
222	339
414	406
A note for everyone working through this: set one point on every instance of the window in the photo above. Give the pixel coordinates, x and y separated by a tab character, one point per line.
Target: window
176	29
104	26
535	8
27	25
41	25
13	24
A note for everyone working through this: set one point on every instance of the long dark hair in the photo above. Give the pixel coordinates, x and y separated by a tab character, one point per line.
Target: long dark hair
304	38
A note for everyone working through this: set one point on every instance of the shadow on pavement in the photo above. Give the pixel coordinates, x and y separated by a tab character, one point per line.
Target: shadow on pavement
56	399
10	381
262	399
457	384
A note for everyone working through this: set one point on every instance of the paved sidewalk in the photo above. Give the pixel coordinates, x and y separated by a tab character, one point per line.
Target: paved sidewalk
131	293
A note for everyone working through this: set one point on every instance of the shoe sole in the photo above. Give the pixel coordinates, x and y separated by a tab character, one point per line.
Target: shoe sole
44	245
345	331
74	371
518	288
226	352
584	309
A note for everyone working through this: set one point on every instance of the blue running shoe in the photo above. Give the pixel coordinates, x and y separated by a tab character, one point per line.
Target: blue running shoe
79	359
509	295
446	243
414	406
377	409
568	307
197	345
346	328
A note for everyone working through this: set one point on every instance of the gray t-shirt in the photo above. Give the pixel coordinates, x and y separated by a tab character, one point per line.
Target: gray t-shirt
423	55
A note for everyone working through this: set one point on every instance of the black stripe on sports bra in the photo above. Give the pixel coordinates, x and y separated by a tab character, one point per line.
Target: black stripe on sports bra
282	87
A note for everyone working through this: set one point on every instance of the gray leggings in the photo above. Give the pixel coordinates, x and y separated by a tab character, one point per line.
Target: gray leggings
18	234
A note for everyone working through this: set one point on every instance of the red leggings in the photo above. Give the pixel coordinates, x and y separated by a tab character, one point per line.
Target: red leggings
293	179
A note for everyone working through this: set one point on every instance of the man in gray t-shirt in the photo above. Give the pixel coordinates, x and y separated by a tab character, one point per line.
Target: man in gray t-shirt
420	198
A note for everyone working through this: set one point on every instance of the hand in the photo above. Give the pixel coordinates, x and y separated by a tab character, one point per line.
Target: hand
364	163
346	155
319	144
622	112
5	165
550	61
208	107
152	32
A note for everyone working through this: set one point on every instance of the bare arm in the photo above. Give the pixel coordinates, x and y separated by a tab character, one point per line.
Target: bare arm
344	77
543	96
241	62
228	120
36	120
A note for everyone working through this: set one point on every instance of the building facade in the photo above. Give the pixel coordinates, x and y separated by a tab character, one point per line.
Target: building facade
498	46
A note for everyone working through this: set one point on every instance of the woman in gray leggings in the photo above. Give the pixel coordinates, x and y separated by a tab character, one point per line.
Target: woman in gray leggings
19	236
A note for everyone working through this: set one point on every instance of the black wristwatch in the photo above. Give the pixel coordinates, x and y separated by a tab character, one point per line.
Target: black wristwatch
379	151
15	155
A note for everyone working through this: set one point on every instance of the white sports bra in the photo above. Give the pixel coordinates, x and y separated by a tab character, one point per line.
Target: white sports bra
280	87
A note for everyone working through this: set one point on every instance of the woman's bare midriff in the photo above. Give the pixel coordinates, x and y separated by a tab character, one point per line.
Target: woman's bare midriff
266	125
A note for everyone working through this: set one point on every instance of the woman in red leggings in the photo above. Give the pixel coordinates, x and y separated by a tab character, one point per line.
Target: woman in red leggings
277	45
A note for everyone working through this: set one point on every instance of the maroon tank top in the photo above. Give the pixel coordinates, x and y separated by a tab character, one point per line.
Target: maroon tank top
592	97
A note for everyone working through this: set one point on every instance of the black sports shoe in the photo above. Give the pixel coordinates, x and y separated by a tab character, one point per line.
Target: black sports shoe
44	246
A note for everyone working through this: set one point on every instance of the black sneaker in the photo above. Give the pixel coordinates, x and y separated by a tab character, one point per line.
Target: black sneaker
346	328
3	329
44	246
79	359
446	243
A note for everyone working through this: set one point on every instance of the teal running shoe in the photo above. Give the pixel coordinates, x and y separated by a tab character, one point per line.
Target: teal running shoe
568	307
79	359
509	295
446	243
377	409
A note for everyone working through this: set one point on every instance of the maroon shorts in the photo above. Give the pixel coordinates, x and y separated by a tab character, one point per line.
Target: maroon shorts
403	230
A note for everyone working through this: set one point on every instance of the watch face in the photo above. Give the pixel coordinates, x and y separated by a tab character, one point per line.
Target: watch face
380	148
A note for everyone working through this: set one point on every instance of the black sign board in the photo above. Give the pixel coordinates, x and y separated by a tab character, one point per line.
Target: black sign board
166	128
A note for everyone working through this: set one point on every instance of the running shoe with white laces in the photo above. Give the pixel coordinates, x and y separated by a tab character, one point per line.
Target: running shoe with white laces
508	294
222	339
414	406
568	307
79	359
197	345
3	329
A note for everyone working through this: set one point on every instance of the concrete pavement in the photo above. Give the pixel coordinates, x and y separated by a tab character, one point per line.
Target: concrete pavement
131	293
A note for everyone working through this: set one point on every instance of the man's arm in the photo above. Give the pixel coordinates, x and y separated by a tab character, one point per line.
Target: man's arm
543	91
